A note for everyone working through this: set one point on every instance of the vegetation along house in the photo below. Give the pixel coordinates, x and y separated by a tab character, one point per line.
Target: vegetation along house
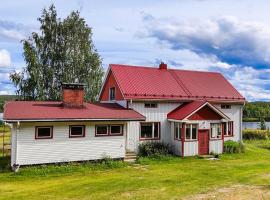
193	111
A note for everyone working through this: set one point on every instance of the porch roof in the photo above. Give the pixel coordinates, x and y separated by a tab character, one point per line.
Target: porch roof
186	110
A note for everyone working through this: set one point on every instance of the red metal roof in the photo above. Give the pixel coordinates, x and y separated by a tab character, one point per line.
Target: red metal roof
186	109
51	111
137	82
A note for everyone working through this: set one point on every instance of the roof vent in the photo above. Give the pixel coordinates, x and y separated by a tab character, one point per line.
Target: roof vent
73	94
162	65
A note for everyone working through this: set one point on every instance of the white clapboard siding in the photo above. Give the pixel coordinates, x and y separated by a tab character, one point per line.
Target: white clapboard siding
235	114
191	148
158	114
215	146
61	148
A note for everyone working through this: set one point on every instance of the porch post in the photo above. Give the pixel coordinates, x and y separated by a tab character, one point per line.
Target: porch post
222	135
183	133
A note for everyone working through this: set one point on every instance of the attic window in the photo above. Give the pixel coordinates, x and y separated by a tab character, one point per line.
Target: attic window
112	93
150	105
225	106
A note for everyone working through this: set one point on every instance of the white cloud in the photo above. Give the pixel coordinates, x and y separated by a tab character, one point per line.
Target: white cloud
5	60
227	38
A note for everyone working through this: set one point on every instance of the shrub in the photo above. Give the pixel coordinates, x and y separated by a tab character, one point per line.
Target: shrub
233	147
154	149
250	134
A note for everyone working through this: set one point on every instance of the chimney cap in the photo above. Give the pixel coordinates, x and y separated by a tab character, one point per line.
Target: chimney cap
72	85
162	65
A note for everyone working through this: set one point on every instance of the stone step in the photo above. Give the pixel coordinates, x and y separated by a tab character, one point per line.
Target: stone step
206	156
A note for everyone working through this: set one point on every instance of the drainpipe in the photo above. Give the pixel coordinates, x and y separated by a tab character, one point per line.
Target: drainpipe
15	166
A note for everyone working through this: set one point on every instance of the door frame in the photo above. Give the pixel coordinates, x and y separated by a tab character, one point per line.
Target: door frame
208	132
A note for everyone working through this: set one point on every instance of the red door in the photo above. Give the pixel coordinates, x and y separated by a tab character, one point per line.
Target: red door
203	142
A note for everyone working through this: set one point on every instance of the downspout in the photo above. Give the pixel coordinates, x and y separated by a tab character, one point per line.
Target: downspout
241	121
15	166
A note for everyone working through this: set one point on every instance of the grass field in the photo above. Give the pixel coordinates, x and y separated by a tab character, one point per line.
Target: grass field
166	178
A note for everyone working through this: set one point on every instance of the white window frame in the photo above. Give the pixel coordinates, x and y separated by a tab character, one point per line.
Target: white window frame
179	126
110	93
226	134
153	131
215	127
193	124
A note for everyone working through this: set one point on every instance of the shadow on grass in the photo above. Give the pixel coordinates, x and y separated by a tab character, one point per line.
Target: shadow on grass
4	164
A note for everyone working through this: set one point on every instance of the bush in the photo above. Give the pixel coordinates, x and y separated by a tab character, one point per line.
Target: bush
233	147
154	149
250	134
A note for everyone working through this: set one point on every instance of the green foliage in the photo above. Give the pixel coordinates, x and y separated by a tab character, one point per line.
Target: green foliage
62	51
256	111
4	98
233	147
154	149
250	134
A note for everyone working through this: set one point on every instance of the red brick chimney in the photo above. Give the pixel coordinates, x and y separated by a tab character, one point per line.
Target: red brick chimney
73	94
162	65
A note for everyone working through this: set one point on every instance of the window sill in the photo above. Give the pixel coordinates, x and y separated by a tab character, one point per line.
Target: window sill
214	139
81	136
177	139
191	140
108	135
228	135
142	139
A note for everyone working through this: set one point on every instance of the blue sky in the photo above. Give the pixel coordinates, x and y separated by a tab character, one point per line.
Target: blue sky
232	37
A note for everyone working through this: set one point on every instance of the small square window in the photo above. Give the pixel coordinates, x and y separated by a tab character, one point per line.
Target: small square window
102	130
76	131
44	132
116	130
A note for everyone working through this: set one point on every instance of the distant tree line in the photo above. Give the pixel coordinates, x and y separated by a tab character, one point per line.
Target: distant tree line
257	111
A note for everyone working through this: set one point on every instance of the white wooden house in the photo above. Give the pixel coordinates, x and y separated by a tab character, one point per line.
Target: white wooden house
193	111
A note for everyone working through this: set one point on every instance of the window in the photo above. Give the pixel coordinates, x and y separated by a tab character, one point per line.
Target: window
76	131
216	131
102	130
109	130
150	130
150	105
230	129
112	93
191	131
116	130
44	132
225	106
177	130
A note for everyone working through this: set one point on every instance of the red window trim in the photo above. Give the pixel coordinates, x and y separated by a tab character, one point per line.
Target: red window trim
230	123
108	130
41	138
76	136
159	128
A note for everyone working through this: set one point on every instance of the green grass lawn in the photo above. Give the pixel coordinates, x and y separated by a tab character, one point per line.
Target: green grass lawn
167	178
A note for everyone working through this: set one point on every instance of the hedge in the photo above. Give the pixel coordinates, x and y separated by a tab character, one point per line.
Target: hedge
255	134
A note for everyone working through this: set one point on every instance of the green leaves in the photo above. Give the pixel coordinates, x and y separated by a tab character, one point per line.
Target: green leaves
63	51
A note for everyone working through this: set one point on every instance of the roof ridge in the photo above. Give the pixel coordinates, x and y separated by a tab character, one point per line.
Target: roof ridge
180	83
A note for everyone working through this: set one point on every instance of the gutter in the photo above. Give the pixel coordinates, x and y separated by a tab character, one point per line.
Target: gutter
68	120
